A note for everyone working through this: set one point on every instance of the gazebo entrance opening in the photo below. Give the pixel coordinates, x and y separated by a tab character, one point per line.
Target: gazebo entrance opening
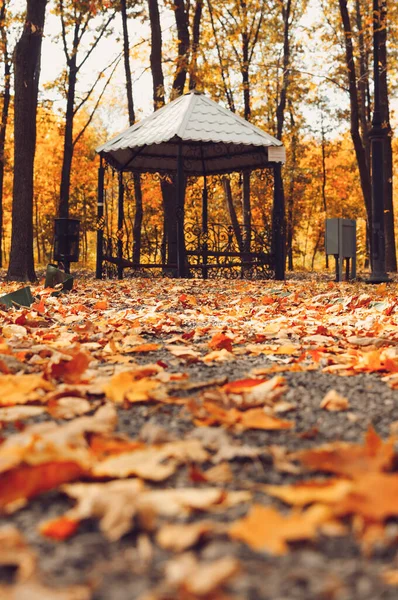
189	138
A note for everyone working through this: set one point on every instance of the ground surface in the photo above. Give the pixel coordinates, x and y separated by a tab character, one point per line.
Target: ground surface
204	388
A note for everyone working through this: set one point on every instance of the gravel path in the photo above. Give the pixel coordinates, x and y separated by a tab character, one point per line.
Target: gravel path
329	568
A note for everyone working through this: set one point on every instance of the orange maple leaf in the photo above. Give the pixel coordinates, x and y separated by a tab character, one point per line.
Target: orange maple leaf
27	481
220	341
350	459
264	528
70	371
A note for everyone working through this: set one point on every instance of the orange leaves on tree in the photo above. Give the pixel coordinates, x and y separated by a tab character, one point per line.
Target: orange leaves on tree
265	529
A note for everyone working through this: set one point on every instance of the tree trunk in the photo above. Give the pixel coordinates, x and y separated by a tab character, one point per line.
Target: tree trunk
126	58
290	196
391	255
180	76
363	83
193	78
27	73
4	115
246	205
278	212
137	227
232	213
156	55
138	217
359	147
68	140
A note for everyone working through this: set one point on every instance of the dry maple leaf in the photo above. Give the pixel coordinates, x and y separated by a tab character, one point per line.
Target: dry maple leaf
333	401
350	459
265	529
68	407
126	386
200	579
21	389
220	341
246	393
373	497
310	492
150	463
70	370
116	503
46	455
255	418
19	413
180	536
218	356
28	481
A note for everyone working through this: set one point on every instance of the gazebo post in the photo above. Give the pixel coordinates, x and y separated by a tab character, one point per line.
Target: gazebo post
100	218
181	271
278	224
120	219
205	227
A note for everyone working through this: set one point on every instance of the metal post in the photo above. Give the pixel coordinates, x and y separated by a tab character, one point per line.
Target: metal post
100	219
278	225
205	227
120	219
181	271
377	137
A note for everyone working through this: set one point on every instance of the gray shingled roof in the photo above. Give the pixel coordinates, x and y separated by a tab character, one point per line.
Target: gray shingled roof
214	140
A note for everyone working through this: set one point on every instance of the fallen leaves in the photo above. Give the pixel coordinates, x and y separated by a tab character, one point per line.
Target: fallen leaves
22	389
333	401
265	529
350	459
85	360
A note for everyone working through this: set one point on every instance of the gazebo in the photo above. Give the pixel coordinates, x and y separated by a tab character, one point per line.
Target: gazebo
192	135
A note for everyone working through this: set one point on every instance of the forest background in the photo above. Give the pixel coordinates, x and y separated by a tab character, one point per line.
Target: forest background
300	69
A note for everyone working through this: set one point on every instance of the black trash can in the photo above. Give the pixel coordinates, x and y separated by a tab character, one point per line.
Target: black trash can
66	240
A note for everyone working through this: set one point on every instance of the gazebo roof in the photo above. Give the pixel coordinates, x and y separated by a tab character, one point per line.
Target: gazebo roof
213	139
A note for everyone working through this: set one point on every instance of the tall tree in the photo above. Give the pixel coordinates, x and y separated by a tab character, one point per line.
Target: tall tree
76	22
27	73
4	109
391	255
137	226
167	186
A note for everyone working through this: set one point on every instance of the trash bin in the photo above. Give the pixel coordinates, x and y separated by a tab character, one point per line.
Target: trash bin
66	240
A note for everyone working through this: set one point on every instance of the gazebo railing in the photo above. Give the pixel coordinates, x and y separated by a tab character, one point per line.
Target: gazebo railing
213	254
